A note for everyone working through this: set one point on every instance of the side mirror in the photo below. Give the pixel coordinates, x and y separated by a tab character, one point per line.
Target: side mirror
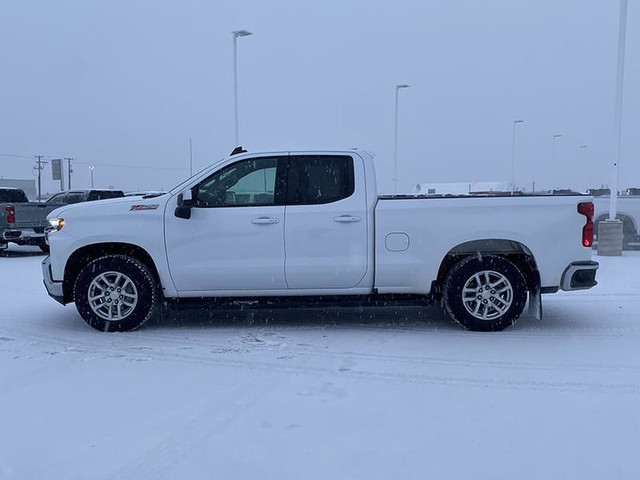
186	197
185	203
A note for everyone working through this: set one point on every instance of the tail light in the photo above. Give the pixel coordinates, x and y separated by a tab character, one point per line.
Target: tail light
11	214
586	209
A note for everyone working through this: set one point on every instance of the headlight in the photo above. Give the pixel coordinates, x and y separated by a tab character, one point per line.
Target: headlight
56	224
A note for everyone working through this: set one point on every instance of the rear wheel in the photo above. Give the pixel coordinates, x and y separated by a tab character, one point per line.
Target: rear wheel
485	293
116	293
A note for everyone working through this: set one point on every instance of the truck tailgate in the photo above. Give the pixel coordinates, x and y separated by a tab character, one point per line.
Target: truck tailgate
32	215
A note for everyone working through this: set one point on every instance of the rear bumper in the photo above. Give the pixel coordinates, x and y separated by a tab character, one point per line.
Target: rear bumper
579	276
54	289
23	236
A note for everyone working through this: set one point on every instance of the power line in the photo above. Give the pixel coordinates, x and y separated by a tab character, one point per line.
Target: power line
154	167
16	156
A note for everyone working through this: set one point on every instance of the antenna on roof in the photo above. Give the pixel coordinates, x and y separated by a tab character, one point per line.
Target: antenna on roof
238	150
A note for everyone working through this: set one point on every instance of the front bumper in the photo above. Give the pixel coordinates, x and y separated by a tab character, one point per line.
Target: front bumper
54	289
579	276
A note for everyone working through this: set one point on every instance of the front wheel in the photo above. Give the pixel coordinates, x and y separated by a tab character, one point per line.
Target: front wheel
116	293
485	293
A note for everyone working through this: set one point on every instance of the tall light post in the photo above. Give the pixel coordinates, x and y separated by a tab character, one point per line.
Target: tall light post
622	35
236	34
582	184
70	170
553	148
92	168
395	142
513	156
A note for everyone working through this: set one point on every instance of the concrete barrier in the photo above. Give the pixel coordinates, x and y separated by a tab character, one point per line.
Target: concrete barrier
610	236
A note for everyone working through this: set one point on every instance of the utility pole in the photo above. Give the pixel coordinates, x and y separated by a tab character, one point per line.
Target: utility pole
68	159
39	167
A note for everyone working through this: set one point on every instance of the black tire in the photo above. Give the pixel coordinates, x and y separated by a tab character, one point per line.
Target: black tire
474	299
119	287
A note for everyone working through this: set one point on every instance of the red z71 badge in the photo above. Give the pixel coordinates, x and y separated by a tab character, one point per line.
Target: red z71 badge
144	207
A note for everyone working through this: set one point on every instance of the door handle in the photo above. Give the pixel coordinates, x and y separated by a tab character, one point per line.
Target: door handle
265	221
347	219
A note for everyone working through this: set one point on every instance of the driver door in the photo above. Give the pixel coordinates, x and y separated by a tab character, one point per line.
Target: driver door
234	240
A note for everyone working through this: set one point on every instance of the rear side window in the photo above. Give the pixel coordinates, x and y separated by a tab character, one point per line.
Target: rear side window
104	194
75	198
316	179
13	196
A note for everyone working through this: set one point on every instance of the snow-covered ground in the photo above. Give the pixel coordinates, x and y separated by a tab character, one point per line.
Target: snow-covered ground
370	394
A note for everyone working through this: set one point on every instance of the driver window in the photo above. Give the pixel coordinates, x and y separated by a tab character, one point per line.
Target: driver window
247	183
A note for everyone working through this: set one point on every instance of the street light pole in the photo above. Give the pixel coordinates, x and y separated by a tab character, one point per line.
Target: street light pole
553	149
395	142
68	159
622	35
92	168
582	168
236	34
513	155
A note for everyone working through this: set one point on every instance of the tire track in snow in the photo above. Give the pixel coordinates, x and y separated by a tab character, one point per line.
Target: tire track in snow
45	372
414	360
278	366
144	351
178	445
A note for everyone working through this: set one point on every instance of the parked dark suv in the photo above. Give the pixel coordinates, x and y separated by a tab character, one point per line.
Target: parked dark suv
77	196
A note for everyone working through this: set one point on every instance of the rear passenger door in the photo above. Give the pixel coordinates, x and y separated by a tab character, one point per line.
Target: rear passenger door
325	222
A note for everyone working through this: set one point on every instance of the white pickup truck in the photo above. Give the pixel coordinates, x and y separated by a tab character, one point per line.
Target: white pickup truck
312	224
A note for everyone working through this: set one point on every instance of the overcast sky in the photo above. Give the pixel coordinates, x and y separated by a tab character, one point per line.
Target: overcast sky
123	85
